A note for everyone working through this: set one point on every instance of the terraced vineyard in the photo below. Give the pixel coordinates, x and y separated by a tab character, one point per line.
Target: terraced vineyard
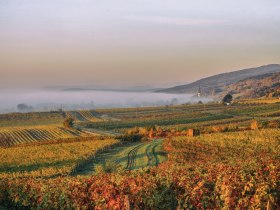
260	101
52	159
163	121
232	164
84	116
20	135
183	117
31	119
238	170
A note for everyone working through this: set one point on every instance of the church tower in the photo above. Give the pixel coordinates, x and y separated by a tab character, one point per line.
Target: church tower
199	92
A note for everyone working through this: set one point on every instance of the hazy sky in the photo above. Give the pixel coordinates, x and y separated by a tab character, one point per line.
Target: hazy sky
133	42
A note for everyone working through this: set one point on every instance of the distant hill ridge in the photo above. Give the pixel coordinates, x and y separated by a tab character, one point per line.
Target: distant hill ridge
218	83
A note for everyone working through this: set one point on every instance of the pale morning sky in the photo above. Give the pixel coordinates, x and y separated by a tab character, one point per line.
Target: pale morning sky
133	42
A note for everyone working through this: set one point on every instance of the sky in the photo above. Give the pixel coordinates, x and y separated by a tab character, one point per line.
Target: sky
123	43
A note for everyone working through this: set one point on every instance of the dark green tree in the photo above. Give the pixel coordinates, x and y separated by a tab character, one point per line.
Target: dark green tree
227	99
68	122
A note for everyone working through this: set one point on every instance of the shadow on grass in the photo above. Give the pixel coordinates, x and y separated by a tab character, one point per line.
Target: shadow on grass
33	167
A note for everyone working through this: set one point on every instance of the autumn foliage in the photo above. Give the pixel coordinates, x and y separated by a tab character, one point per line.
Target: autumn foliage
236	170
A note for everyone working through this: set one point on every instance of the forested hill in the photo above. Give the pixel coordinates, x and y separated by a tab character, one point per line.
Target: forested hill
267	85
217	84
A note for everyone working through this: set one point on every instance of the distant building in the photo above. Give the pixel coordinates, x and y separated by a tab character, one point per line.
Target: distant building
199	92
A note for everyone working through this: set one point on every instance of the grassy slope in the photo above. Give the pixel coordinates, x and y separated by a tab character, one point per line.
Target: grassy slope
146	155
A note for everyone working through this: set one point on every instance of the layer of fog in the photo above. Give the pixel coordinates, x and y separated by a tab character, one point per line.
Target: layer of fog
70	100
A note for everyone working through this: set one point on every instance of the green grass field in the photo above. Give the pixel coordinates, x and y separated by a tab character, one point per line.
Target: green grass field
126	157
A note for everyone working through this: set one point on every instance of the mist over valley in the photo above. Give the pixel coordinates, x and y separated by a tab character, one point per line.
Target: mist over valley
69	99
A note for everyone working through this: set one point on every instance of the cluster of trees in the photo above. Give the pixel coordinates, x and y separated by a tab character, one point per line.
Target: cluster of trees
24	108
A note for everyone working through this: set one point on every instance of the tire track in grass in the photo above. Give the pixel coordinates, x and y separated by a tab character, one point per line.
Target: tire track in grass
131	157
152	151
155	155
149	156
159	154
